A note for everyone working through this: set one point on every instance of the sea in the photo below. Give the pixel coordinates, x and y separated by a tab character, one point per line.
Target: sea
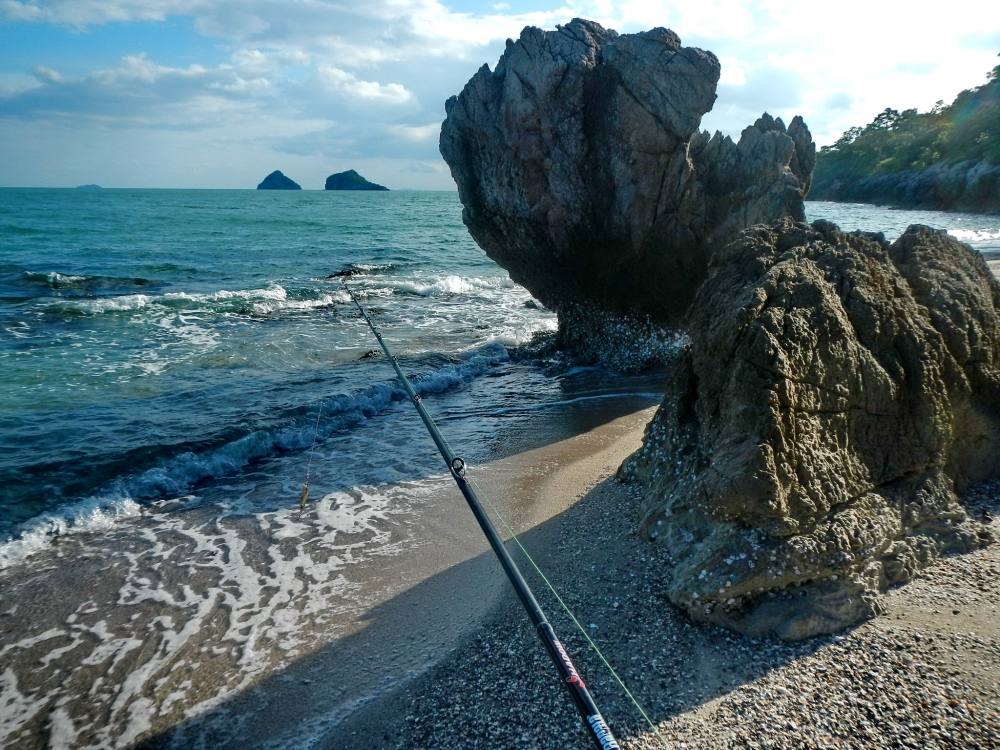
176	364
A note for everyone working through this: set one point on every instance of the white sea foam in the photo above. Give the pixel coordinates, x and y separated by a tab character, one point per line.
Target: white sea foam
263	301
93	514
451	284
274	292
975	235
245	587
327	300
57	279
111	304
517	335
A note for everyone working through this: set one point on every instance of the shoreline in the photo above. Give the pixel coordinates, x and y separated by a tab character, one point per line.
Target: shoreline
452	587
924	674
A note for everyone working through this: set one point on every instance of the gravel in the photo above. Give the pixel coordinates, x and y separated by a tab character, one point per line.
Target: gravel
926	674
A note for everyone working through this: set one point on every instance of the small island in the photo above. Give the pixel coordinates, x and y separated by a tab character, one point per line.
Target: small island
89	186
350	180
277	181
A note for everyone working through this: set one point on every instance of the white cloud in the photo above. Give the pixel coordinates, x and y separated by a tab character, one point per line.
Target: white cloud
341	80
46	74
416	133
82	13
372	77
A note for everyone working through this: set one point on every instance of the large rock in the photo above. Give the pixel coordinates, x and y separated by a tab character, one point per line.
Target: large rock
837	392
582	172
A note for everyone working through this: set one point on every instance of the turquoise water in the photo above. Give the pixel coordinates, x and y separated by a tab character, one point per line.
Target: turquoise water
175	363
156	340
145	326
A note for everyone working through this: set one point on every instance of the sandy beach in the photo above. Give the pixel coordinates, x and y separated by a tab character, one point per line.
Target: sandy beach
924	674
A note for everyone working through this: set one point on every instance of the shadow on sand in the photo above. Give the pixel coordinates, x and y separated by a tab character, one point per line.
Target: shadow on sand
496	669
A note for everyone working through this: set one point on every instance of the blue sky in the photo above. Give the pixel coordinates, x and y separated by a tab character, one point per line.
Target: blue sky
217	93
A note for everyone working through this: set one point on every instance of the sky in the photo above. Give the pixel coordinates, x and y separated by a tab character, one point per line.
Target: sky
218	93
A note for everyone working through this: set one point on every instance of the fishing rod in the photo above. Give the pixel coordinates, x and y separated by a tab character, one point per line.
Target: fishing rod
593	722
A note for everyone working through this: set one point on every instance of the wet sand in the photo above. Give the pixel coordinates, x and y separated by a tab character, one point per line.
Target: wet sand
432	600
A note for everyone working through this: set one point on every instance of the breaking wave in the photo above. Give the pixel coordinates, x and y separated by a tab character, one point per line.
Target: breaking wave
265	301
446	285
182	473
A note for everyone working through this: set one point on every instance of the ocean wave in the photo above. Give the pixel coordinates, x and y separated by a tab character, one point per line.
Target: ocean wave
27	284
91	514
180	474
514	335
54	279
975	235
445	285
107	304
264	301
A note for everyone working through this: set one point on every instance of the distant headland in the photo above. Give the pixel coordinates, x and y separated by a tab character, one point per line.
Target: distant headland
277	181
947	158
350	180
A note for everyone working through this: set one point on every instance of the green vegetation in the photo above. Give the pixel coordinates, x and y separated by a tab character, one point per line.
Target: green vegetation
968	128
894	143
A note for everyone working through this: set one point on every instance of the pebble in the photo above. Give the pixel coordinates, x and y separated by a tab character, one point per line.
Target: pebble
905	680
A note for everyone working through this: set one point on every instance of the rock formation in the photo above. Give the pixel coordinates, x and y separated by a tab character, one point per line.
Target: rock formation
350	180
836	393
961	186
582	172
277	181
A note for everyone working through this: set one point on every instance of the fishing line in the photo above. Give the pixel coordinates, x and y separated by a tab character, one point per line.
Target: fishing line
304	494
569	613
592	720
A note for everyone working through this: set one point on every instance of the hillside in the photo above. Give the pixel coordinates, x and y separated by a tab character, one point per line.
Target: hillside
947	158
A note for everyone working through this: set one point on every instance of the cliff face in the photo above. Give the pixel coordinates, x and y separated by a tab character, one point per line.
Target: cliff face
277	181
965	186
582	172
836	393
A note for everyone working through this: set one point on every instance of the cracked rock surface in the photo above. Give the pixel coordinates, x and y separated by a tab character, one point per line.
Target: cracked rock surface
837	392
582	172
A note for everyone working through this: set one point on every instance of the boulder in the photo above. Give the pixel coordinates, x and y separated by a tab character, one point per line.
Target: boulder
836	394
350	180
582	171
277	181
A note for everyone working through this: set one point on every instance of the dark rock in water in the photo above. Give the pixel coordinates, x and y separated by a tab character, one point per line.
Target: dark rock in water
371	354
350	180
582	172
277	181
837	392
